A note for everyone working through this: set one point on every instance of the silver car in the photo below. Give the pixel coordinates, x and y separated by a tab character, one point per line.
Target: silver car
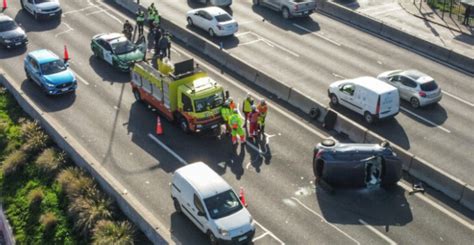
414	86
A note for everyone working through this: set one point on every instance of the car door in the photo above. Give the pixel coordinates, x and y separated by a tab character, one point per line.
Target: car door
408	88
35	72
396	81
207	21
106	51
347	96
198	18
199	214
29	5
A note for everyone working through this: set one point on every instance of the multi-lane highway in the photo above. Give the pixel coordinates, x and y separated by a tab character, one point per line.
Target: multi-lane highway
309	54
104	117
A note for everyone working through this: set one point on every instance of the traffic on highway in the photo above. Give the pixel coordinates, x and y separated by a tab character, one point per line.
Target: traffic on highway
216	159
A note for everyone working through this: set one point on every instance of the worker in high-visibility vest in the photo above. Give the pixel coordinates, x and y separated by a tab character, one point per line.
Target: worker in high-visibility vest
231	103
226	112
262	109
254	116
247	108
140	19
236	127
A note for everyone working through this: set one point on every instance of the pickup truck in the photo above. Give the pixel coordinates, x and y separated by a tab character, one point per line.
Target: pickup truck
289	8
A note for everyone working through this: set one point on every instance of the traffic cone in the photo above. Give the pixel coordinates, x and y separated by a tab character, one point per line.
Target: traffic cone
66	54
159	129
242	197
4	5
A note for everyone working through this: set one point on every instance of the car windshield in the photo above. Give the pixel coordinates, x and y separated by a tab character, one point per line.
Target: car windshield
123	47
429	86
223	18
210	102
53	67
223	204
7	25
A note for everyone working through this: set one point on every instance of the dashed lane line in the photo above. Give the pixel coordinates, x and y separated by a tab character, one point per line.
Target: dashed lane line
377	232
269	232
425	120
317	34
260	237
458	98
181	160
81	78
64	32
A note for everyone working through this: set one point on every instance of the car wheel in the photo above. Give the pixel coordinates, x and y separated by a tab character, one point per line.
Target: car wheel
328	142
28	75
212	238
334	100
211	32
414	102
137	95
368	117
190	21
285	13
177	206
183	124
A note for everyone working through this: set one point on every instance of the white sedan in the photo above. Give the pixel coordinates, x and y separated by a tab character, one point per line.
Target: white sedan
214	20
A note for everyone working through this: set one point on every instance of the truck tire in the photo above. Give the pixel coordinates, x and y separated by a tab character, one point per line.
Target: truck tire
183	124
22	5
285	12
212	238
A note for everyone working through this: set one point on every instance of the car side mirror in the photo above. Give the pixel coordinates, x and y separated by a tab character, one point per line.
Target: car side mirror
66	64
196	14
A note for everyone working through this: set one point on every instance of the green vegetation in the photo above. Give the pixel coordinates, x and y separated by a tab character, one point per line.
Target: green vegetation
46	199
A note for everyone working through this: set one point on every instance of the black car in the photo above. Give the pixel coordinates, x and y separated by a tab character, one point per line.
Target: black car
356	165
11	35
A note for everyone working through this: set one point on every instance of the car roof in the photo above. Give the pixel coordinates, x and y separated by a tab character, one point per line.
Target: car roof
417	76
110	37
207	182
43	55
213	10
373	84
5	18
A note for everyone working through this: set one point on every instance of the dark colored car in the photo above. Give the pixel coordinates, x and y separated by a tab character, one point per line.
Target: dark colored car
11	35
356	165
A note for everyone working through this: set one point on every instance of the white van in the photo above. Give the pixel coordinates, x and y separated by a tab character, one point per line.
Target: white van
211	204
368	96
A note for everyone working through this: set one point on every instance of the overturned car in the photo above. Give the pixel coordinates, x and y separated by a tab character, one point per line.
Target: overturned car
356	165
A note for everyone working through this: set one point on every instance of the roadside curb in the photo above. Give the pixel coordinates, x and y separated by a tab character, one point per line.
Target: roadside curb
155	231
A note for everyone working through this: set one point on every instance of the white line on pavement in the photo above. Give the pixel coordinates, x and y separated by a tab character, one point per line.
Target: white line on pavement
81	79
242	33
96	12
269	232
66	31
106	12
259	237
439	207
337	75
324	220
380	234
458	98
168	149
317	34
425	120
273	44
78	10
250	42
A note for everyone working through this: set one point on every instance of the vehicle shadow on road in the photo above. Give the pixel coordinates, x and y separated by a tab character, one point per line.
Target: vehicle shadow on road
378	207
29	23
434	113
107	72
45	102
352	4
9	53
275	18
185	232
227	42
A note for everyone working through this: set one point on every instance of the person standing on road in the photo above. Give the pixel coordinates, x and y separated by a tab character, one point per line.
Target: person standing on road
253	122
247	108
140	22
467	15
157	36
127	30
226	113
163	46
236	127
262	109
168	48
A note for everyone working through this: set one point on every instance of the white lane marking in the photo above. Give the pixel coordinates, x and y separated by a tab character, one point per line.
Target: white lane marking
337	75
273	44
96	12
168	149
324	220
77	10
81	79
380	234
317	34
106	12
242	34
269	233
175	51
425	120
66	31
259	237
246	22
250	42
458	98
439	207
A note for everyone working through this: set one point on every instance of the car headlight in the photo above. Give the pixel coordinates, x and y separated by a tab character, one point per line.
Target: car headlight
50	85
223	232
7	41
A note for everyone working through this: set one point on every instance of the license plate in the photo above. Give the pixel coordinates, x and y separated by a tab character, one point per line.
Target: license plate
305	12
52	14
214	126
242	238
18	43
65	89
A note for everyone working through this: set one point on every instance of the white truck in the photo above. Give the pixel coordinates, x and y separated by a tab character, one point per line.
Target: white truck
42	9
289	8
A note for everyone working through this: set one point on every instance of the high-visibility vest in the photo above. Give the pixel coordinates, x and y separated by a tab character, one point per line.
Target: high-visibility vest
225	113
247	105
140	17
235	121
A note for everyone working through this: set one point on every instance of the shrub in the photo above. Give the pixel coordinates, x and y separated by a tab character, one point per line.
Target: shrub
50	160
35	138
86	212
49	221
108	232
74	182
35	197
14	161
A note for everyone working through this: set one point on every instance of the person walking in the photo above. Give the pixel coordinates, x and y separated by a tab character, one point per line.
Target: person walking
467	15
262	109
225	113
157	36
231	103
140	19
236	127
247	108
163	46
127	30
253	122
168	48
150	14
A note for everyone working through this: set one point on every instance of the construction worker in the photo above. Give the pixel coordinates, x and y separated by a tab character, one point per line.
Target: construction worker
236	127
226	113
231	103
262	109
254	116
127	30
247	107
140	22
156	19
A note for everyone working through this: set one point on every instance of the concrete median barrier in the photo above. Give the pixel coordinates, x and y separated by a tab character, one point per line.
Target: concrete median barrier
178	33
431	49
215	53
353	130
461	61
366	22
437	178
241	68
467	199
307	104
371	137
279	89
405	156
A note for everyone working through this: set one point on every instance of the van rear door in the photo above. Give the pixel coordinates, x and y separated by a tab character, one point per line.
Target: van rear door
388	103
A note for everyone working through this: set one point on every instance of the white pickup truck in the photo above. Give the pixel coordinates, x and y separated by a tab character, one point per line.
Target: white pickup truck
42	9
289	8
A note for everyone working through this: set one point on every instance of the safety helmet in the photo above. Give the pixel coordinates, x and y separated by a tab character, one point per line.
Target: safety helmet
254	108
230	99
248	95
262	101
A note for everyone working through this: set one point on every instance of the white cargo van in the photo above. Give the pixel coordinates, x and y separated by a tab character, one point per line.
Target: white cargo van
211	204
367	96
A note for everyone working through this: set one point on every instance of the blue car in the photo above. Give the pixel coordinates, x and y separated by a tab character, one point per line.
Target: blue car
50	72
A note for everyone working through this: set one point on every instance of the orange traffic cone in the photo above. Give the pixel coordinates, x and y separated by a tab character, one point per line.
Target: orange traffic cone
4	5
159	129
66	54
242	197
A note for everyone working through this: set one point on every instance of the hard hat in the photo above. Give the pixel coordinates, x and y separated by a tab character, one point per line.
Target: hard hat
262	101
254	108
248	95
226	103
230	99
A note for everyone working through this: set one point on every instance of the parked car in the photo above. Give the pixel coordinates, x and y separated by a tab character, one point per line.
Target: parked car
117	50
214	20
42	9
367	96
211	204
289	8
356	165
414	86
50	72
11	35
219	3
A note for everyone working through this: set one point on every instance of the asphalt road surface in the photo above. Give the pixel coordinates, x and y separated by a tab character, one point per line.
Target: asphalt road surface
276	174
310	53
